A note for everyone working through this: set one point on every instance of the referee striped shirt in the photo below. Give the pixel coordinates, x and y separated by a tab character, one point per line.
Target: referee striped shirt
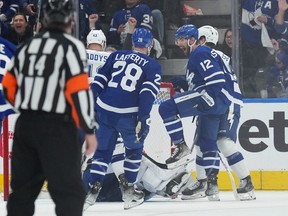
49	73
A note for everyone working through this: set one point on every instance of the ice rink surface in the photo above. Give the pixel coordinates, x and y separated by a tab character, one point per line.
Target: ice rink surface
268	203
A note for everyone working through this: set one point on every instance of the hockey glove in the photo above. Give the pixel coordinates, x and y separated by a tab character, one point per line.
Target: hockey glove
179	83
142	129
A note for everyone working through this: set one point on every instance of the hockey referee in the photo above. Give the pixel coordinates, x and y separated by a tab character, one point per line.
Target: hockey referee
48	85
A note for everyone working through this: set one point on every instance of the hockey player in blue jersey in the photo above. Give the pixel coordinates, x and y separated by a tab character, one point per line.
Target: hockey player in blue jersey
208	96
7	50
125	88
227	135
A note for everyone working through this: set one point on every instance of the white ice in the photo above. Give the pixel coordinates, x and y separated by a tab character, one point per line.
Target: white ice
268	203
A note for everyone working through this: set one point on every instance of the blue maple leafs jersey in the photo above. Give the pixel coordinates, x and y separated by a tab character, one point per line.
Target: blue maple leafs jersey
140	12
9	8
207	71
7	50
127	84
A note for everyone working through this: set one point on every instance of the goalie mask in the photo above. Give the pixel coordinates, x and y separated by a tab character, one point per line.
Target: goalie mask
210	33
58	12
96	37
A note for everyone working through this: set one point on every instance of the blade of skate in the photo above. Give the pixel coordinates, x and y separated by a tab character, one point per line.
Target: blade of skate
132	204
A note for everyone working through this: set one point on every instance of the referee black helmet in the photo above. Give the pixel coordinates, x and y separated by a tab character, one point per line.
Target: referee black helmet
58	12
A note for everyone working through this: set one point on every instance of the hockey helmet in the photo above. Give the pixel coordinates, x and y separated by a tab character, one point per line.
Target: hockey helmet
187	31
96	37
58	12
210	33
142	38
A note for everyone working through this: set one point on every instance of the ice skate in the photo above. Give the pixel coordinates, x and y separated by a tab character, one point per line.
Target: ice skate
92	195
131	196
177	185
212	191
196	191
180	156
246	189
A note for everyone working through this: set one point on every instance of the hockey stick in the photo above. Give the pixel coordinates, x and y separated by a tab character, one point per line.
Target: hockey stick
161	165
232	181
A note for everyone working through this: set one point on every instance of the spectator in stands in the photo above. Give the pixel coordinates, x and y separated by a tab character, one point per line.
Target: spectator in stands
19	31
8	9
281	19
257	32
86	11
173	19
118	26
107	8
277	76
156	50
226	46
30	7
158	20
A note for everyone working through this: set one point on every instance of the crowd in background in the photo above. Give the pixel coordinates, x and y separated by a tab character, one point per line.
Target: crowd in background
263	43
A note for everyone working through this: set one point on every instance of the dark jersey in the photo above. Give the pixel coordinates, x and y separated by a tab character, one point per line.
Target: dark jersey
141	13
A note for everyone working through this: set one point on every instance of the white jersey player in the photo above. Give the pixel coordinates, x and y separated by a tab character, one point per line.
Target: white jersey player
96	55
153	179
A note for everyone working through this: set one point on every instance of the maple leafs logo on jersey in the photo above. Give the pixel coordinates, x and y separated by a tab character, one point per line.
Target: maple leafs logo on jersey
189	78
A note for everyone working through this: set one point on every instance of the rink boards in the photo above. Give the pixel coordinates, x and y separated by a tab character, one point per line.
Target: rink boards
262	138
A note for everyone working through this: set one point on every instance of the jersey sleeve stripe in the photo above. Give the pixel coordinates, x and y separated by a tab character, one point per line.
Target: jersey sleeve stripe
116	109
214	74
10	84
215	81
98	83
153	85
148	90
101	76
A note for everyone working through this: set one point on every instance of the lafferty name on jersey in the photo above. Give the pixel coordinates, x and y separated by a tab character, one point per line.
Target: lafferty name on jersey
97	57
134	57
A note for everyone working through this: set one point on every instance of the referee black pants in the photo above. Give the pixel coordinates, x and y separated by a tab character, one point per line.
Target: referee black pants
46	147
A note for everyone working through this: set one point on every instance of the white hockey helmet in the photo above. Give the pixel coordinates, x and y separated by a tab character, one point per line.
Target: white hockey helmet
210	33
96	37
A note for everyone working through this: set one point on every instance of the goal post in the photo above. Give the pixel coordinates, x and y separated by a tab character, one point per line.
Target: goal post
5	151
